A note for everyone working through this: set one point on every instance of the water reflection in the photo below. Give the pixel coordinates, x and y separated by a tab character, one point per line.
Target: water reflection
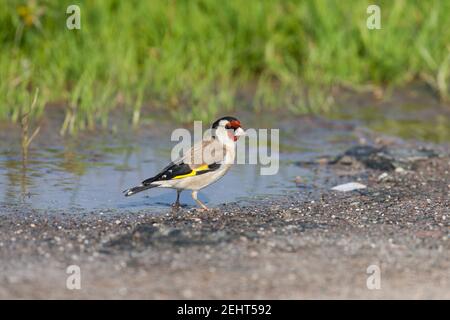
408	121
91	174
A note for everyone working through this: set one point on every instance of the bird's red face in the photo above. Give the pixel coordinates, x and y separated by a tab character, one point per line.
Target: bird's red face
234	130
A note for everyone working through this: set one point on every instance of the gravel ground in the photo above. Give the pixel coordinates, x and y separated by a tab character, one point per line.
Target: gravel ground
277	248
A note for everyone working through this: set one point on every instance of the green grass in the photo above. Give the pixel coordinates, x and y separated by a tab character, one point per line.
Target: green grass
195	59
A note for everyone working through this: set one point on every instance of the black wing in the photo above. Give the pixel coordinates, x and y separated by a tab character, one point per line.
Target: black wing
180	171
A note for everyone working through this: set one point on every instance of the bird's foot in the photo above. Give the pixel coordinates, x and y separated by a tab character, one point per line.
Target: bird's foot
203	209
176	206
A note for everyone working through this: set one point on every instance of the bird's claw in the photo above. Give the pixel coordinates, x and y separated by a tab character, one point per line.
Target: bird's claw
176	206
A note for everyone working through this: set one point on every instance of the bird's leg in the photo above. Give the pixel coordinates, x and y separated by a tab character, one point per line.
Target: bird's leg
201	204
177	202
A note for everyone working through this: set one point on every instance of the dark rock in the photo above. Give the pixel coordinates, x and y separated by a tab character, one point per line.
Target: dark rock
383	159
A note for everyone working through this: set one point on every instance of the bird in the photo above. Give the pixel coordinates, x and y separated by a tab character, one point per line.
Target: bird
204	163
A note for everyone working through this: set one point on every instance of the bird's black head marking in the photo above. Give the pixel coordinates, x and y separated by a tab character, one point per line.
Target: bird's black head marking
228	118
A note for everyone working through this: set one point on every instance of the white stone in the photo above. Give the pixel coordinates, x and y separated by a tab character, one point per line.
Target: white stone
349	187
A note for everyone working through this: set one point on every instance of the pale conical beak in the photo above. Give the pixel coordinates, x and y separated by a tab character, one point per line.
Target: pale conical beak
239	132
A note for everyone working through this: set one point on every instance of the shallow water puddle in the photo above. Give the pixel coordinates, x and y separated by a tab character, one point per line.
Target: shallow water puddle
407	121
92	175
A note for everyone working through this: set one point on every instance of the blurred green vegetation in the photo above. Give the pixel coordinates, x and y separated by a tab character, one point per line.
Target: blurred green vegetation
200	58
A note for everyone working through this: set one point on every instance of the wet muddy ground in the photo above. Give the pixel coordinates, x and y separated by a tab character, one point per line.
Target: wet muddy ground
283	236
308	243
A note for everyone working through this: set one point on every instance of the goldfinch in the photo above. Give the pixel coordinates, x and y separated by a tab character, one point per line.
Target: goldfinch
206	162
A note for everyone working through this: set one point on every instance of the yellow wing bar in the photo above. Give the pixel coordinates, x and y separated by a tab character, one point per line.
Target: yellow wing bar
193	172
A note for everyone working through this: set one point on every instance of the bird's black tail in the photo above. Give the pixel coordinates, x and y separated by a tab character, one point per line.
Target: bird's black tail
134	190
